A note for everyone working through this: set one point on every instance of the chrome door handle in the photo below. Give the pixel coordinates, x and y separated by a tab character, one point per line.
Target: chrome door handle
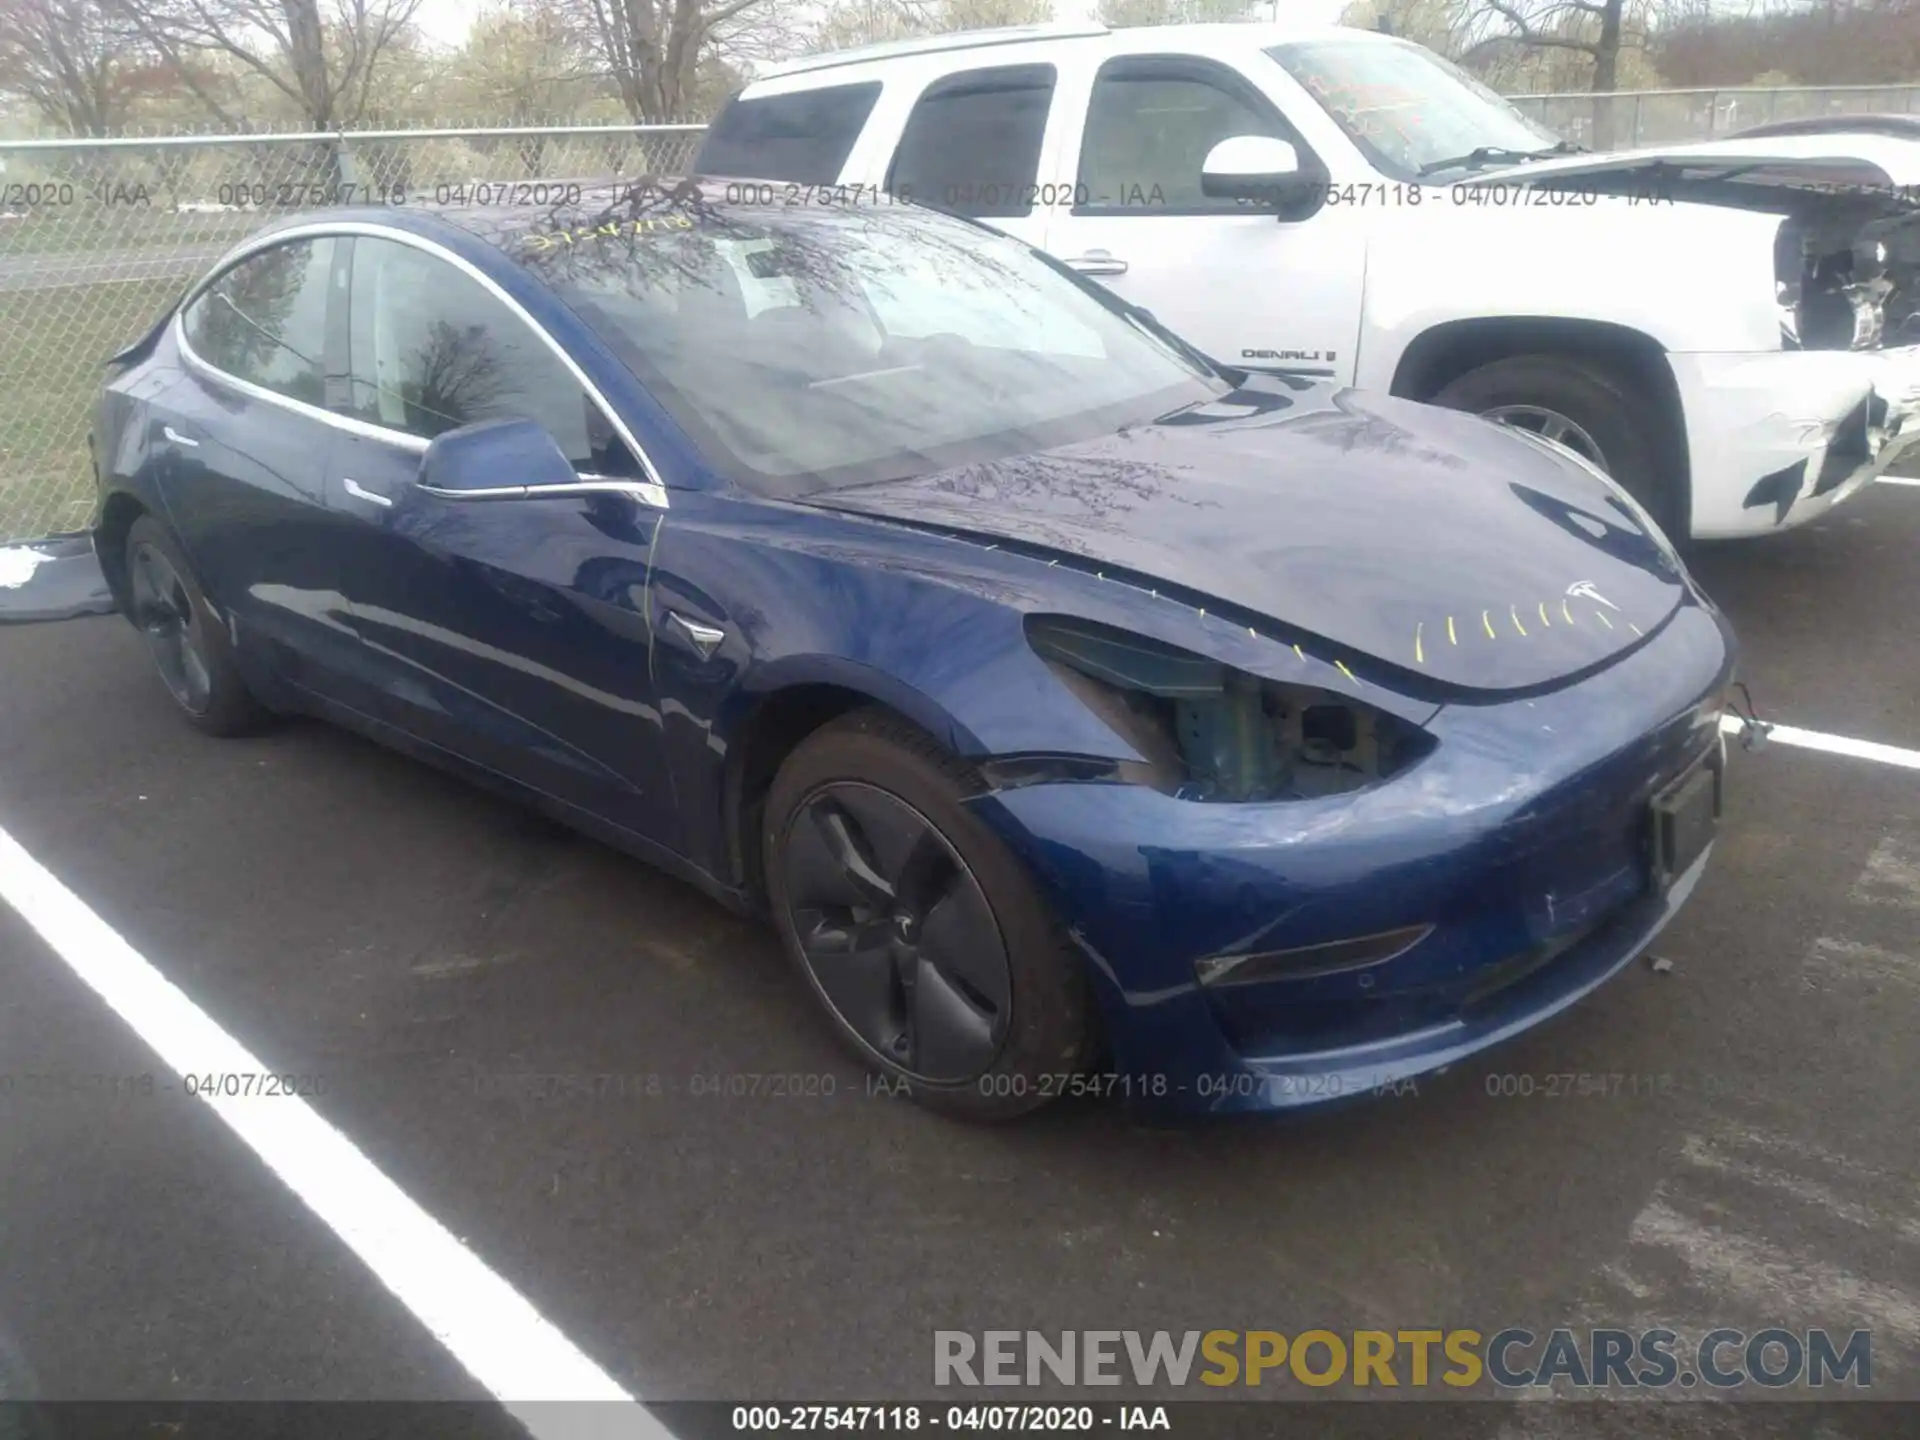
706	638
1098	262
175	437
360	492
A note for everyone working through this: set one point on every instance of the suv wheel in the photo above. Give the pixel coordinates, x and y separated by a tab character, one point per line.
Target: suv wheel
1595	409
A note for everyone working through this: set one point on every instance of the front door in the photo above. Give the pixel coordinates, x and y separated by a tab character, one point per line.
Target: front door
1242	285
513	633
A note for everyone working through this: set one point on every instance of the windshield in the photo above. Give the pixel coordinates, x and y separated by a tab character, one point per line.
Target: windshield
1404	106
817	347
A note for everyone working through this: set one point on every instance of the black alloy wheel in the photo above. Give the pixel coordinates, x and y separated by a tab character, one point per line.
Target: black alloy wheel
896	933
190	649
923	937
163	611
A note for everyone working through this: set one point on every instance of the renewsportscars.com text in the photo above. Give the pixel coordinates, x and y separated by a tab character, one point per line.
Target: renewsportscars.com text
1512	1359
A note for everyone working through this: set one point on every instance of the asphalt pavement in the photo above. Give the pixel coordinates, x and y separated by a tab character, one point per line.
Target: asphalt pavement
524	1032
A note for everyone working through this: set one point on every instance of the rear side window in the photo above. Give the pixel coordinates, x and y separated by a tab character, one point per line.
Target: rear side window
265	320
972	143
804	137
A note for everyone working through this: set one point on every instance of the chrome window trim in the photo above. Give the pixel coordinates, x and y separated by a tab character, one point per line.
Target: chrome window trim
585	485
651	491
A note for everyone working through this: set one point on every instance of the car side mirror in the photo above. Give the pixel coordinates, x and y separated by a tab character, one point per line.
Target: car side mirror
494	460
1253	167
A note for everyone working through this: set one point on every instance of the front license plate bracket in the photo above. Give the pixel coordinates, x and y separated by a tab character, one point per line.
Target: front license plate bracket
1683	820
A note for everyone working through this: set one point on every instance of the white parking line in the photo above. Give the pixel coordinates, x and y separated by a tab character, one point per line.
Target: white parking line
1900	479
1832	744
490	1328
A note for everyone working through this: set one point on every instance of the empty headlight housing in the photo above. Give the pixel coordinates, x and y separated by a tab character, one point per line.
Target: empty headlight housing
1210	732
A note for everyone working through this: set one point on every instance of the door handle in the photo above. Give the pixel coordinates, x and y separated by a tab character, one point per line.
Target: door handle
360	492
706	638
175	437
1098	262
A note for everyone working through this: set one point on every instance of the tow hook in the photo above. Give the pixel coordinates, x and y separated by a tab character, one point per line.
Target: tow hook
1753	730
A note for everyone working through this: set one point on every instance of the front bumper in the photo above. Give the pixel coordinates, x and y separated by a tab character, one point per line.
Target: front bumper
1519	840
1775	440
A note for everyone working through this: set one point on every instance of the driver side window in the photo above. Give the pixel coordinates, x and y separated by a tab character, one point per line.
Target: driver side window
431	349
1150	125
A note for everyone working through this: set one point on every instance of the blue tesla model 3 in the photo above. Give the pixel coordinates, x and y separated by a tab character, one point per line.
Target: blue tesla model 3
1086	717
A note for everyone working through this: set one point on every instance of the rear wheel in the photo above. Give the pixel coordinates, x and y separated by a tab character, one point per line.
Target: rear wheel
184	638
1592	407
921	936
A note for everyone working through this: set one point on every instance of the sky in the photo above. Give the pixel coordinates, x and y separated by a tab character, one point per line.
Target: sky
447	21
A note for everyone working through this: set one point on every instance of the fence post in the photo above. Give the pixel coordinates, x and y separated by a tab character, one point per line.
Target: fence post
343	165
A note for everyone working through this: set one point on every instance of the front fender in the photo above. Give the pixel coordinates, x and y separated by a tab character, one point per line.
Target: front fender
1689	277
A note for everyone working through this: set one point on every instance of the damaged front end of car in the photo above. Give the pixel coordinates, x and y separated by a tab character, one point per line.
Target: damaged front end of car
1784	426
1848	277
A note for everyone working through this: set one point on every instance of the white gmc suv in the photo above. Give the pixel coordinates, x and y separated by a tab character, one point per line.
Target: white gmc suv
1730	328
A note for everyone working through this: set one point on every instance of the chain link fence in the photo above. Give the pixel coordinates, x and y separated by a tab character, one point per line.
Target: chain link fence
98	237
1654	117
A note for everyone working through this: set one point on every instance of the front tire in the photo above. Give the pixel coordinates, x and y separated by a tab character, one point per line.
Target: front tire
185	639
926	944
1593	407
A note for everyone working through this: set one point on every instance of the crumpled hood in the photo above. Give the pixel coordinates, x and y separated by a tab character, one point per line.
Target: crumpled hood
1773	172
1424	538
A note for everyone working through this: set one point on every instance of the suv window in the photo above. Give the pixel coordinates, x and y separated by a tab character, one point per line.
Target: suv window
265	320
431	349
804	137
972	143
1150	125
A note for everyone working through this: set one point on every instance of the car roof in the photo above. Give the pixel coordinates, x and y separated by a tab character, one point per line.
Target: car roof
1125	39
638	206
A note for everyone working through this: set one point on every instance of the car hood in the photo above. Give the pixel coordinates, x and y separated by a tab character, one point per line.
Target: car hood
1420	538
1773	172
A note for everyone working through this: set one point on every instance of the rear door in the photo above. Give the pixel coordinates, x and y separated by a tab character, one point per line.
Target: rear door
244	440
513	633
976	142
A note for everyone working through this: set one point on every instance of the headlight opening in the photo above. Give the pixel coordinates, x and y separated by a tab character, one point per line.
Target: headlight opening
1213	733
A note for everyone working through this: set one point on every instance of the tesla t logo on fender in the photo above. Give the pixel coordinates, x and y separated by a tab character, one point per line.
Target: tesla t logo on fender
1584	589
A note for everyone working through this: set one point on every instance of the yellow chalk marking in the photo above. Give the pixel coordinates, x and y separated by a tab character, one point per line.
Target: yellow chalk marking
1486	619
1602	616
1419	650
1543	615
1452	639
1346	672
1514	611
1568	613
1298	651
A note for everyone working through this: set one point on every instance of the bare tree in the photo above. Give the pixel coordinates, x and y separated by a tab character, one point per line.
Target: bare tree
1808	42
320	54
66	60
654	51
1446	26
1599	29
865	22
1119	13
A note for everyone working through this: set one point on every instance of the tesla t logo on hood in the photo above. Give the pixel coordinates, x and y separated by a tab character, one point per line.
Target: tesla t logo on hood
1584	589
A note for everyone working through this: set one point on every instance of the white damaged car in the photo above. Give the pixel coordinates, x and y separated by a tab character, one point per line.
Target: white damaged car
1730	328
